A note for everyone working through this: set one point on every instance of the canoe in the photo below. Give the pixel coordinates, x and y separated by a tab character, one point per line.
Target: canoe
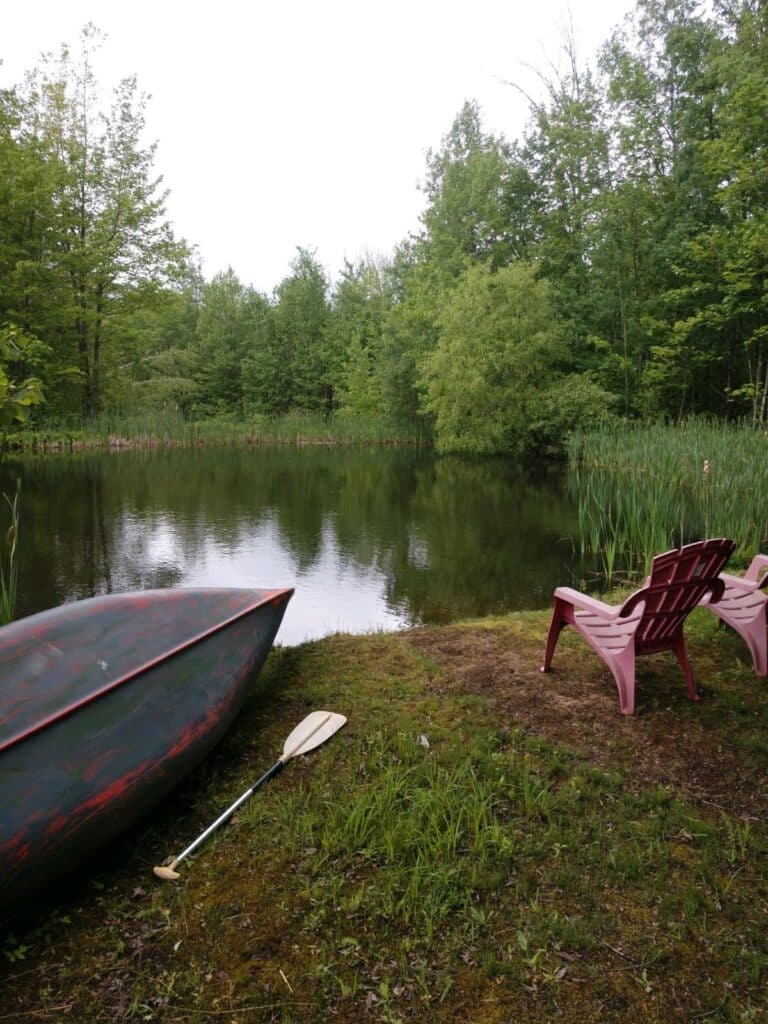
105	705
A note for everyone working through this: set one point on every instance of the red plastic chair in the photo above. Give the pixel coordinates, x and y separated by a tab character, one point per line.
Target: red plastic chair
651	619
744	607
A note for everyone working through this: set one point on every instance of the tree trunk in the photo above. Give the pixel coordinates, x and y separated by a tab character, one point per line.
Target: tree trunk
96	356
81	329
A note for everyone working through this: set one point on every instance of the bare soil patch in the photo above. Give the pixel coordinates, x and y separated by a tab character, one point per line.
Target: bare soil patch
697	749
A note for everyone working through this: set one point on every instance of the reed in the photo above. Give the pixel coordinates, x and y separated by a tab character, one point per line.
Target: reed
9	568
166	429
643	489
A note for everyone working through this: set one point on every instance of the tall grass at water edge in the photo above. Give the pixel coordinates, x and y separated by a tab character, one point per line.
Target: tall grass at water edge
9	568
642	490
167	428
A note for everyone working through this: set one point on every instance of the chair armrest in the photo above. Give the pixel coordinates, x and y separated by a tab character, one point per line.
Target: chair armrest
634	600
587	603
739	582
753	572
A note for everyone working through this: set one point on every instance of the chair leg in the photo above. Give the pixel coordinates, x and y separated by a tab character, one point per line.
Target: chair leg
682	656
747	614
623	669
560	619
755	634
760	654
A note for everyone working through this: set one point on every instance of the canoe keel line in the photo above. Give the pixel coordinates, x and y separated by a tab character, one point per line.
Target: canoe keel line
106	705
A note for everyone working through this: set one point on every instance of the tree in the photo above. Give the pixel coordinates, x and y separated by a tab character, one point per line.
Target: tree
307	370
261	368
566	152
478	198
499	365
158	350
103	248
663	95
360	303
725	262
222	339
28	281
410	330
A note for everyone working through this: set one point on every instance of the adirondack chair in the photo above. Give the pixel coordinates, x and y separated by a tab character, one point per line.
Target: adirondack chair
744	607
650	620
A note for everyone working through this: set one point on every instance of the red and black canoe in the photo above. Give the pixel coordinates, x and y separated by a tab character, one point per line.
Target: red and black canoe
106	704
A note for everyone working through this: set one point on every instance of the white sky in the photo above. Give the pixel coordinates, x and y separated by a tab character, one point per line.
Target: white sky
306	123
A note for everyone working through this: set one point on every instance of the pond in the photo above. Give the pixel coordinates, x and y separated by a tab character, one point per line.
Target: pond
371	538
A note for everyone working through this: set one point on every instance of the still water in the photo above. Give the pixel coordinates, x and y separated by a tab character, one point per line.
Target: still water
371	538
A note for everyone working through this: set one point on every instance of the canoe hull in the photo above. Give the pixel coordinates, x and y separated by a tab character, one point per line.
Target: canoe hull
101	761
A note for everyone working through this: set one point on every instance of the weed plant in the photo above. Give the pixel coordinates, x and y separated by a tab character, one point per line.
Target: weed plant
642	490
9	567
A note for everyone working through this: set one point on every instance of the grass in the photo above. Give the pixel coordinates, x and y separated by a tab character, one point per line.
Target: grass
642	490
479	843
9	566
170	429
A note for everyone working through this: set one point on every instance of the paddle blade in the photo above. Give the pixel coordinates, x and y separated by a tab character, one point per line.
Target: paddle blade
316	728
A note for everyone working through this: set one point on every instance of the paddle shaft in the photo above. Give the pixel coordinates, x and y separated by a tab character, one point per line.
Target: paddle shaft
276	768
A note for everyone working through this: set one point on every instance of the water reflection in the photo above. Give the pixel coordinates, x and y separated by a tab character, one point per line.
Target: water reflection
371	538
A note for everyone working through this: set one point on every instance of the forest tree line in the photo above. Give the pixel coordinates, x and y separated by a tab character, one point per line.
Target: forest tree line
613	261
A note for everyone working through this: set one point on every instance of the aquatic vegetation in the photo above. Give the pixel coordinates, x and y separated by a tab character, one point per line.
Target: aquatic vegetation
168	429
9	566
643	489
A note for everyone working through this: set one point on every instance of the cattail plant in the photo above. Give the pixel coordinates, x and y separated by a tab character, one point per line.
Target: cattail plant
705	496
643	489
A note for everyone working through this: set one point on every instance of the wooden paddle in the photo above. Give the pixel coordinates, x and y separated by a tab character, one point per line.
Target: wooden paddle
316	728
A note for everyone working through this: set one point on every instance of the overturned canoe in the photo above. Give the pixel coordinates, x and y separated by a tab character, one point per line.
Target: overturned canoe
106	704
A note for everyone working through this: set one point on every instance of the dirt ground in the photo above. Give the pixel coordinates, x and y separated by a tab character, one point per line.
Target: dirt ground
704	751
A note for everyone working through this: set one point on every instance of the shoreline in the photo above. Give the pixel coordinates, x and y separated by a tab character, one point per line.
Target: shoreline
170	430
41	443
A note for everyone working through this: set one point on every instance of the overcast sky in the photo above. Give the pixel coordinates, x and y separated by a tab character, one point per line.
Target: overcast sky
307	123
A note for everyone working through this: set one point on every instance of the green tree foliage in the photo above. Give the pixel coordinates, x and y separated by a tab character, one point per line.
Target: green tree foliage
478	198
88	243
158	346
662	94
291	359
307	368
726	270
20	390
566	152
409	331
263	374
615	257
498	366
360	304
18	351
221	344
29	285
478	212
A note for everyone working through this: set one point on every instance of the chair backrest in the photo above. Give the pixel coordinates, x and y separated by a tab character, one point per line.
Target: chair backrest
679	580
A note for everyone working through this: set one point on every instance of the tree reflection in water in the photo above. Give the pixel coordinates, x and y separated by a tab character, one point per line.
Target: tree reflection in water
370	537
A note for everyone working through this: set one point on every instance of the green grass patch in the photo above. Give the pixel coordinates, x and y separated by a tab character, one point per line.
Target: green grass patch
442	858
